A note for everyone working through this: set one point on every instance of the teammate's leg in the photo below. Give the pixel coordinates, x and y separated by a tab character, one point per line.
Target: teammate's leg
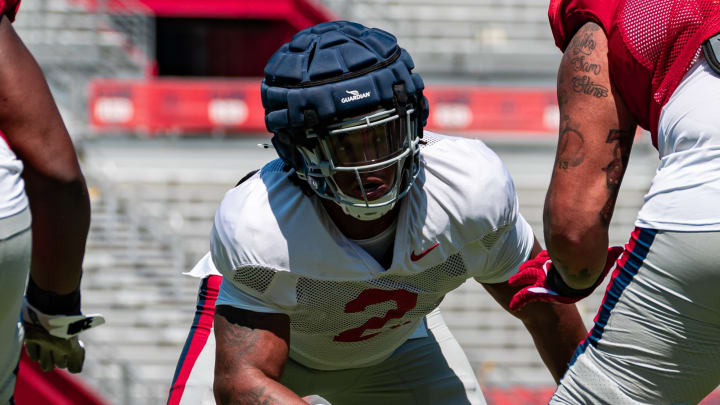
193	379
657	334
15	250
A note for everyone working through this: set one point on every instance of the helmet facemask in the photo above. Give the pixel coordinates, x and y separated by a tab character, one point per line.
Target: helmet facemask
364	164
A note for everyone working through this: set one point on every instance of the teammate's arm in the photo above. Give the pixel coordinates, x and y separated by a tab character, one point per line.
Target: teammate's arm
53	181
59	204
556	329
251	351
596	135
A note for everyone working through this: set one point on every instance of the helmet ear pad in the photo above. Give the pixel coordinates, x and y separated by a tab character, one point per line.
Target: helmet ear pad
286	149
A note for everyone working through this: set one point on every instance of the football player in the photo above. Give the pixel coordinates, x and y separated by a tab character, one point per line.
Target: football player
39	174
656	337
335	257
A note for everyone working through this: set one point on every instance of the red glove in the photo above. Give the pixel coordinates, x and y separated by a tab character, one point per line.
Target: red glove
543	283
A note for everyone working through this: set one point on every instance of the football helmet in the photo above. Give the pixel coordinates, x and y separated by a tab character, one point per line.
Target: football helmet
347	114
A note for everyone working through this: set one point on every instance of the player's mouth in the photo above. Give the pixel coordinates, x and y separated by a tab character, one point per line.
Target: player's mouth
374	188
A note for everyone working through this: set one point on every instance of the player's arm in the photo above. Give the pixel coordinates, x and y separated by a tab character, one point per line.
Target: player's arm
556	329
251	351
59	204
596	135
54	183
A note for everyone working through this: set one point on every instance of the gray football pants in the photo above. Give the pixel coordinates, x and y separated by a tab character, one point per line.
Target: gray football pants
15	248
656	338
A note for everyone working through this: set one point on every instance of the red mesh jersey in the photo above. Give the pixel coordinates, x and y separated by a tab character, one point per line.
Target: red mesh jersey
9	8
652	44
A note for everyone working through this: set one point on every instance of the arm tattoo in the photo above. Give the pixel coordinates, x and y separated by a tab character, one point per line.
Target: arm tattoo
615	170
571	147
584	45
243	340
580	65
585	85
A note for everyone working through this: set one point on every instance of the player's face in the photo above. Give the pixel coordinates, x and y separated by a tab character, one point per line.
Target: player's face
363	146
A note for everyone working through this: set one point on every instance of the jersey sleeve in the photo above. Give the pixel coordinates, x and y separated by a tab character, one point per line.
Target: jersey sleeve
496	258
567	16
9	8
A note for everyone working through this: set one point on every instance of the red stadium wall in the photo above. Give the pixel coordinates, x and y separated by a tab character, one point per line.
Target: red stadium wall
58	387
299	13
175	106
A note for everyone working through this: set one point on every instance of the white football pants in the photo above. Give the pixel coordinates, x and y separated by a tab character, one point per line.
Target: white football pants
430	370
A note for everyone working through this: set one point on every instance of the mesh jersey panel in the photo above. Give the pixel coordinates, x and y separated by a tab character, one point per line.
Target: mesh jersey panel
357	322
659	32
652	44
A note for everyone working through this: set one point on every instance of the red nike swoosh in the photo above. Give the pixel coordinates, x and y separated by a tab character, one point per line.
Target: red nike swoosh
415	257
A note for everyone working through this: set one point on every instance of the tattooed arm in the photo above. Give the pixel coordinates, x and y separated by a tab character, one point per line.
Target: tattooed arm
251	351
596	135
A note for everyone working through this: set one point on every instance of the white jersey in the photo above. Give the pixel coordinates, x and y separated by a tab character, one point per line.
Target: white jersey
685	193
12	187
279	251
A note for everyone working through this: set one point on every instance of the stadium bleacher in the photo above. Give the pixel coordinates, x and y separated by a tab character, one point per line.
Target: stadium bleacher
488	39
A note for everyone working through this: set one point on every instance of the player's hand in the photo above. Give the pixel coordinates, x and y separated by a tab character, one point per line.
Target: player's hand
533	275
52	340
316	400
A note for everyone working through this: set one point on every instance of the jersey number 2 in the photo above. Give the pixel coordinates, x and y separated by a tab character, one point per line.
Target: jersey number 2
405	301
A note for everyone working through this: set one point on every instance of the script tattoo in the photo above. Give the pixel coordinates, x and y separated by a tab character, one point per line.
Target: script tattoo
586	86
615	170
585	45
580	65
571	147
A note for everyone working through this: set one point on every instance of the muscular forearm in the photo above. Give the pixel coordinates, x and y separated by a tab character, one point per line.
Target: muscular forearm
556	333
576	239
61	218
253	387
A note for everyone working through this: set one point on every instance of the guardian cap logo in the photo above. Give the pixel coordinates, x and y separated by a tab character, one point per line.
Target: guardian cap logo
354	96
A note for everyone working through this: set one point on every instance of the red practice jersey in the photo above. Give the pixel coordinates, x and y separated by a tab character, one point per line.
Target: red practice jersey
9	8
651	44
